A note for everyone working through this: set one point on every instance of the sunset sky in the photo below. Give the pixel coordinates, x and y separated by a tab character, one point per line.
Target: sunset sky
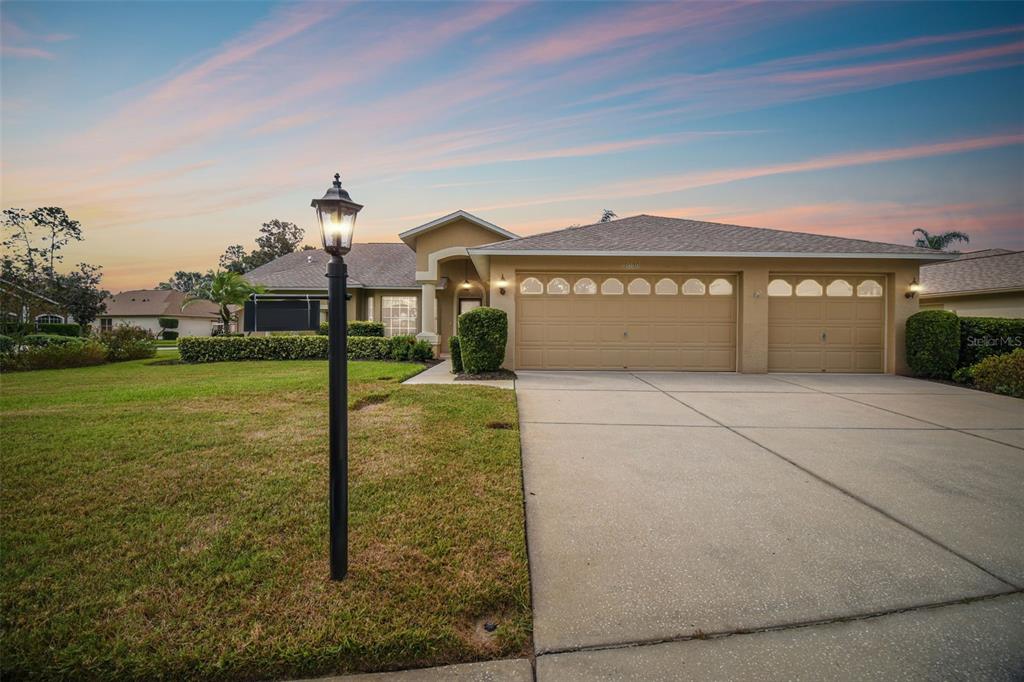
171	130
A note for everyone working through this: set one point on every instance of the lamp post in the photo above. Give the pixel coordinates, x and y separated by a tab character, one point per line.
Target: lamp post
336	213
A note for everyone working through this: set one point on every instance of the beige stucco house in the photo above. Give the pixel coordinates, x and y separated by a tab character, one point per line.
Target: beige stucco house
986	283
144	308
640	293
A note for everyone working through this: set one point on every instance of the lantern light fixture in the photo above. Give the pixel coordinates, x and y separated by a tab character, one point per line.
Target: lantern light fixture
336	213
914	289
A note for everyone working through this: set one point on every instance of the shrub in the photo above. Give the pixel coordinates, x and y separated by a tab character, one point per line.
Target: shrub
359	328
453	346
16	328
1001	374
483	333
981	337
933	343
128	343
167	322
400	347
6	344
56	356
60	329
964	375
422	351
295	347
40	340
168	335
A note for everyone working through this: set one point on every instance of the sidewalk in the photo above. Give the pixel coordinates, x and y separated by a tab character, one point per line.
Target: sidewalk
441	373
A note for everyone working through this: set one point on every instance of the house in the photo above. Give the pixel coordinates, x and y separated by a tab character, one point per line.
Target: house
144	308
639	293
19	303
986	283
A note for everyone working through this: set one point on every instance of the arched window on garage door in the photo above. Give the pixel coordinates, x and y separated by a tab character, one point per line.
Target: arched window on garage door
839	287
531	285
809	287
611	287
666	287
869	288
585	286
640	287
694	287
780	287
720	287
558	286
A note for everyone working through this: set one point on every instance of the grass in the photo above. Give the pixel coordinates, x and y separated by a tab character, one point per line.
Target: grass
168	521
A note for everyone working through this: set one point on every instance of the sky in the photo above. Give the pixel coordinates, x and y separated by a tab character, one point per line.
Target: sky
171	130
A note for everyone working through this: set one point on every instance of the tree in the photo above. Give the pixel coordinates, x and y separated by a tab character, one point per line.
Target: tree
277	238
79	293
51	225
939	242
235	259
607	215
226	289
186	281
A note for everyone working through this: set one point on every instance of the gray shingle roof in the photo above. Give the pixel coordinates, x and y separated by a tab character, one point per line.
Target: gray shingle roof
984	273
156	302
369	266
654	234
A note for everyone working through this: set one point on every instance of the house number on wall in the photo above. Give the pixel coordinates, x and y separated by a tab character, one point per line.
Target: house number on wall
631	266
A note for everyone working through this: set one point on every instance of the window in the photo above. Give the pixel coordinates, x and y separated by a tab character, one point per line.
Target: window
720	287
369	308
585	286
558	286
611	287
639	287
693	287
106	324
531	285
809	287
839	287
49	319
666	287
780	287
869	288
398	313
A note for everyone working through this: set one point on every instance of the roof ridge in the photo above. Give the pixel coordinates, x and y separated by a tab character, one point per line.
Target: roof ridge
965	260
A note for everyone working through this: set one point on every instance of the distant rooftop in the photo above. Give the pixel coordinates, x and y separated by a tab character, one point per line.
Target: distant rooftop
370	266
1000	270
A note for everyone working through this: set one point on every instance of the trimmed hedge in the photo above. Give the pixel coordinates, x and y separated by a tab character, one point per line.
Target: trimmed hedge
196	349
453	346
982	337
40	340
61	329
55	356
483	333
1001	374
167	322
933	343
358	328
168	335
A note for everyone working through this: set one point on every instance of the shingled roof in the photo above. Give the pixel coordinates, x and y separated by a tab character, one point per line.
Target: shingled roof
156	303
998	272
645	235
370	266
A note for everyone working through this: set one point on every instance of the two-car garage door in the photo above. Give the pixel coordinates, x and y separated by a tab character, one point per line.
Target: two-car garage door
626	321
684	321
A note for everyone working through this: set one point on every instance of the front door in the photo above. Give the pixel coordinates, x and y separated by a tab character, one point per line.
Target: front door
467	304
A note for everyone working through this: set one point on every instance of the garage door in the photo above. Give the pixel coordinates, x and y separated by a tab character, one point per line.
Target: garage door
826	323
626	321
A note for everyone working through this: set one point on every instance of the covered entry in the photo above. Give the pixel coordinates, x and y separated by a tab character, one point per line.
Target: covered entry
672	321
823	323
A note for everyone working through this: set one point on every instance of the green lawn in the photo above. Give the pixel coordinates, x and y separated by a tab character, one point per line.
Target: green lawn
169	521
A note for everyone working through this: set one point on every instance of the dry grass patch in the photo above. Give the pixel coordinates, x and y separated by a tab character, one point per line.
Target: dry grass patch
167	522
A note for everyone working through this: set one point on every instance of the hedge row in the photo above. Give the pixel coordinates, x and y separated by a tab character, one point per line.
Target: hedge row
358	328
982	337
195	349
85	353
23	328
941	345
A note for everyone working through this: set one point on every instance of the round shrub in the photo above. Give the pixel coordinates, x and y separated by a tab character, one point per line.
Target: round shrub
1001	374
933	343
453	346
6	344
168	335
167	322
483	333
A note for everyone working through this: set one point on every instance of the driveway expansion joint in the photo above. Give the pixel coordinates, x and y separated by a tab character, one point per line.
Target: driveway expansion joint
849	493
795	625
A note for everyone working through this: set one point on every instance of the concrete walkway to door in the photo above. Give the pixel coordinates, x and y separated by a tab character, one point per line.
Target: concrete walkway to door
728	526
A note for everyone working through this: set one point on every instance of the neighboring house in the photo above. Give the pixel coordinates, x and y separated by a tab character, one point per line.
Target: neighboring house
639	293
20	304
986	283
144	308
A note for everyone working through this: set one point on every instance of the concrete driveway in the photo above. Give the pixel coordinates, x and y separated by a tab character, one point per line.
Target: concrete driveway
726	526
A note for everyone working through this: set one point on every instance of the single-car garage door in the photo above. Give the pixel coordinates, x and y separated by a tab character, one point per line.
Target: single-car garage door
626	321
821	323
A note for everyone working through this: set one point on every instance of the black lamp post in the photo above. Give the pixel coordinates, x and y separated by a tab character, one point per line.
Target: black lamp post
336	213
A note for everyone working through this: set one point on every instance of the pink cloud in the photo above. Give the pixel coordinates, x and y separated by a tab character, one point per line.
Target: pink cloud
18	42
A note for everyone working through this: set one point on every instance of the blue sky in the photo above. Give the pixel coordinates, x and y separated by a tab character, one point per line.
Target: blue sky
174	129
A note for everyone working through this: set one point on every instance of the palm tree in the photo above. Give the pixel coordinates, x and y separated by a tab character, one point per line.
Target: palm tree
939	242
226	289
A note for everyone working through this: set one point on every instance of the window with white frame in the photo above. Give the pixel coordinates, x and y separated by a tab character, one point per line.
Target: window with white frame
49	319
369	308
399	315
639	287
869	288
106	324
585	286
839	287
611	287
558	285
531	285
720	287
666	287
780	287
693	287
809	287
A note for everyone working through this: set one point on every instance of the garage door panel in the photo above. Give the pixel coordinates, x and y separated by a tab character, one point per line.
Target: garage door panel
825	333
637	331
